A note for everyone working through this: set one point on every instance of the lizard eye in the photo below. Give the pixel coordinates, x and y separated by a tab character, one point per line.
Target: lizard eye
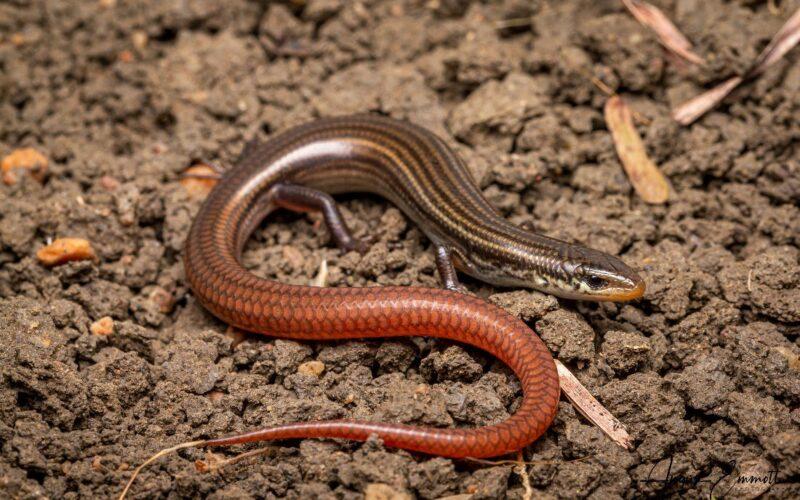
595	282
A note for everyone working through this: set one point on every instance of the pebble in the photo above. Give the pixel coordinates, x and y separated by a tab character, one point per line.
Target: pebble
314	368
65	250
25	159
103	326
198	187
382	491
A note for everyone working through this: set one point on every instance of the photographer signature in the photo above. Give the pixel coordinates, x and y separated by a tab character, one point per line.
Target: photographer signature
690	481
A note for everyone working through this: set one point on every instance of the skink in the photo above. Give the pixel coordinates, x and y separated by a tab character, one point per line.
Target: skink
299	170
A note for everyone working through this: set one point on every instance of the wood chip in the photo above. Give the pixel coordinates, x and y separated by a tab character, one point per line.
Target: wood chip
103	326
65	250
199	180
590	408
23	160
648	181
669	36
783	41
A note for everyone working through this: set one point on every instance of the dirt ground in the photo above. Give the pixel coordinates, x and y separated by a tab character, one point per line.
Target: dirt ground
122	96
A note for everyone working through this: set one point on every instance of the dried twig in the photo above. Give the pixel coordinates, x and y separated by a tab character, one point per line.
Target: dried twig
783	41
590	408
646	178
669	36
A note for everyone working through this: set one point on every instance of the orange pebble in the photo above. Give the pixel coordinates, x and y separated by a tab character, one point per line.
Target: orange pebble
125	56
198	180
23	159
109	183
64	250
103	326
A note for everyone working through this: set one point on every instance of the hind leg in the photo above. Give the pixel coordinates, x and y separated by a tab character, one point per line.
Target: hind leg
303	199
447	271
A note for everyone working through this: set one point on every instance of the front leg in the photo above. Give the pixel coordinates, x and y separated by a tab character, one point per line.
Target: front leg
447	272
303	199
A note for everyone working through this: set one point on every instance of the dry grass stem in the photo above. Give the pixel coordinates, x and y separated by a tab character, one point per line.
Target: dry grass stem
669	36
590	408
213	464
155	457
783	41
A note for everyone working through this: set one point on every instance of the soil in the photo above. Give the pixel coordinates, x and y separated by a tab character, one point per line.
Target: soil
122	96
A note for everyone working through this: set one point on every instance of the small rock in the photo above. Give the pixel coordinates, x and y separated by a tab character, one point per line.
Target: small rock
381	491
109	183
525	304
199	180
489	483
103	326
314	368
162	299
139	39
65	250
288	356
25	159
625	351
454	363
293	256
568	334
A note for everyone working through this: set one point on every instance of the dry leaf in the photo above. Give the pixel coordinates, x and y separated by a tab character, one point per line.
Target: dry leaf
64	250
669	36
783	41
646	178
